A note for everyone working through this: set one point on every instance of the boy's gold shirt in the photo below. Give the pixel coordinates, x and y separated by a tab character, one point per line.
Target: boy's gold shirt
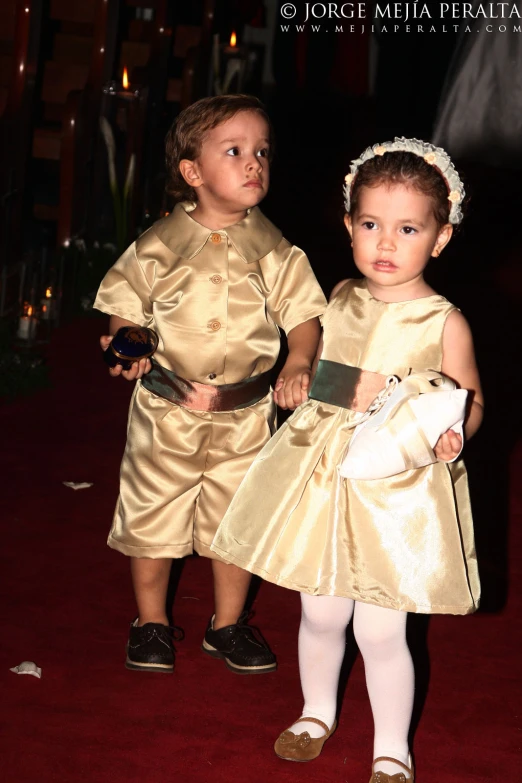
216	298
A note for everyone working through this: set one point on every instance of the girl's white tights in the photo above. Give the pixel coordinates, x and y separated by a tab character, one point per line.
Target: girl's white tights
381	637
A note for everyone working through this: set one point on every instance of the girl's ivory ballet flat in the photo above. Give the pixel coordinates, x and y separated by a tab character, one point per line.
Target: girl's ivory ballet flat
302	747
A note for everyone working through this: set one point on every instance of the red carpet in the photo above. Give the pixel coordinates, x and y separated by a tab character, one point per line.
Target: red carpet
67	601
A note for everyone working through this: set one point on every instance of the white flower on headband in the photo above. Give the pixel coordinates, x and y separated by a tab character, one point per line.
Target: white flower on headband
434	156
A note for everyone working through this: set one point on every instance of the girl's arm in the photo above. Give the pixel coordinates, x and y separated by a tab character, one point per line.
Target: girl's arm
458	363
294	379
291	388
316	360
318	355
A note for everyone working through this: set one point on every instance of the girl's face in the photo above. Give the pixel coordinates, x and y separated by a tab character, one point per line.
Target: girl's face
394	234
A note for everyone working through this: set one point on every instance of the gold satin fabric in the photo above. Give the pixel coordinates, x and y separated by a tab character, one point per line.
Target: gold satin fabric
216	300
404	542
216	305
179	472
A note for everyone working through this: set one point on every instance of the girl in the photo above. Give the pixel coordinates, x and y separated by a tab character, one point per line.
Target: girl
371	550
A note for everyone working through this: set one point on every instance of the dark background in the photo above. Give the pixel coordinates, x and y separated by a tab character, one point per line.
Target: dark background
325	113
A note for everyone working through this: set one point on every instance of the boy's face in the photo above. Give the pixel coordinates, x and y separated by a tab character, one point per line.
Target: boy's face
232	171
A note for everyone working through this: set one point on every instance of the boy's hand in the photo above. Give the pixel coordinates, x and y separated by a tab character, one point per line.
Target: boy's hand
292	385
137	370
448	446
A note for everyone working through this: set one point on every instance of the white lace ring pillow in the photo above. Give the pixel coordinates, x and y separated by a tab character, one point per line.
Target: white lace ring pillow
411	417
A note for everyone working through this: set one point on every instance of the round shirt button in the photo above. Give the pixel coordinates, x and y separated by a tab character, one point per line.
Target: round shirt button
214	325
212	376
216	279
216	238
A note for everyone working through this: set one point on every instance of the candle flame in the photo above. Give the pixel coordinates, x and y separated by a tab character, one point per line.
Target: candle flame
233	39
48	292
29	311
125	79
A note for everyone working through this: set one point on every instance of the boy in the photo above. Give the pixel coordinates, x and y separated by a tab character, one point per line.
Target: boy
215	279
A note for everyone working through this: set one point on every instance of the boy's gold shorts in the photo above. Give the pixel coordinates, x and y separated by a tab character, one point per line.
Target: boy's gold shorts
179	473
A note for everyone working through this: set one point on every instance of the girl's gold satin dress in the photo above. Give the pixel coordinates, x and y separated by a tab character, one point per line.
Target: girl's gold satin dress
405	542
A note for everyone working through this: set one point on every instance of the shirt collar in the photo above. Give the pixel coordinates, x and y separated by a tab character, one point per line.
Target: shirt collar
253	237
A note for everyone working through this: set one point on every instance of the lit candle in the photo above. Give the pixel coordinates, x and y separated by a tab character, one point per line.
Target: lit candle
234	66
46	305
127	94
122	90
26	324
232	47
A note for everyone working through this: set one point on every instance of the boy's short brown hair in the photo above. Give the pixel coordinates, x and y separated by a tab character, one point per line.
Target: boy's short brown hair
185	137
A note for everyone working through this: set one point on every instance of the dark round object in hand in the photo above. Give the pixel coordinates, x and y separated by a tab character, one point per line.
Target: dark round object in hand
129	345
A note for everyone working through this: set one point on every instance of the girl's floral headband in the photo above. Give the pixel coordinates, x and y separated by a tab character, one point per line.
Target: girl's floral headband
435	156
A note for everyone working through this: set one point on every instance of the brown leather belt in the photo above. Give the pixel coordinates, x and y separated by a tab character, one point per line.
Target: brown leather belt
203	396
345	386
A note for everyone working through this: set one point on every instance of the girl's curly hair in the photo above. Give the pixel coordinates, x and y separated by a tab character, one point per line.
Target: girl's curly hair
404	168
